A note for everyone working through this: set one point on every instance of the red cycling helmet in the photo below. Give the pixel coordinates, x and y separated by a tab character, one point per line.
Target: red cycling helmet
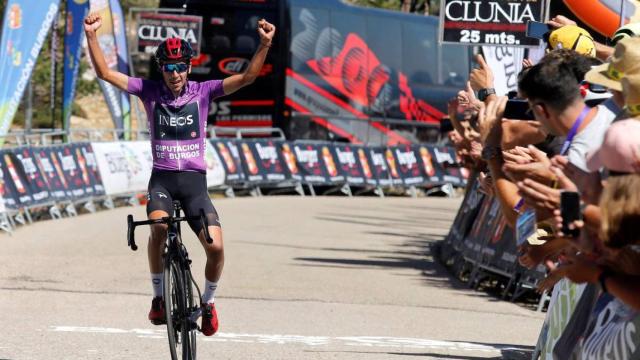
174	49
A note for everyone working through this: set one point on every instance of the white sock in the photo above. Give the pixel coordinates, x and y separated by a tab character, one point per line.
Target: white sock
157	281
209	291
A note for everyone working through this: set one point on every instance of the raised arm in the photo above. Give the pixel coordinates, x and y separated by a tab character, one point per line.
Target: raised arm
92	23
235	82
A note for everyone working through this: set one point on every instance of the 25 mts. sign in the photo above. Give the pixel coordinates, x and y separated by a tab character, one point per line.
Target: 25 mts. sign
489	22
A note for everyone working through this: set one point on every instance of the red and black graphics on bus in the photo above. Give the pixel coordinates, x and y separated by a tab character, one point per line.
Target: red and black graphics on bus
36	176
91	178
52	172
229	152
263	161
14	186
357	74
230	40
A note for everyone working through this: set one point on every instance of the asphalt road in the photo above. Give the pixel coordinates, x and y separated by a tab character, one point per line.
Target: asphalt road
305	278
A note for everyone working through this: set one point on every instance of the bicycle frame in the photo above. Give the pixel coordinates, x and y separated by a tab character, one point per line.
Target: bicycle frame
181	312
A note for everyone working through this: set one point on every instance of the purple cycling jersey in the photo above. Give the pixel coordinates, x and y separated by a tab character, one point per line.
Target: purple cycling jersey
177	125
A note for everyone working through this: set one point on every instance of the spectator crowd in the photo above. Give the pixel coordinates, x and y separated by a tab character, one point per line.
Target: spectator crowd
578	134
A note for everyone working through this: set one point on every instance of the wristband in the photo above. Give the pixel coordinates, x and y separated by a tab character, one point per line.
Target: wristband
483	94
265	45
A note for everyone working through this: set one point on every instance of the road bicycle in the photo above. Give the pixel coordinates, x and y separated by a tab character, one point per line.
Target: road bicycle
181	306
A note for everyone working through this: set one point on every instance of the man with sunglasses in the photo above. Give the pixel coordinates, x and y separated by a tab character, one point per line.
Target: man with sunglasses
177	115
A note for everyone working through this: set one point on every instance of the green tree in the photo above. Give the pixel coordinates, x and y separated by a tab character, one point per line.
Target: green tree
417	6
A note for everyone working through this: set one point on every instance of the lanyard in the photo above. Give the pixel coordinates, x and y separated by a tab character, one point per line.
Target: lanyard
567	143
574	130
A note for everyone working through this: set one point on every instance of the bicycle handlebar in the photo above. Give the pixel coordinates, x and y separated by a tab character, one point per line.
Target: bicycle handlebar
131	226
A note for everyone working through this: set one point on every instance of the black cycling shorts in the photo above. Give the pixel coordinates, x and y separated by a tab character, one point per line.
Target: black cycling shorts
188	187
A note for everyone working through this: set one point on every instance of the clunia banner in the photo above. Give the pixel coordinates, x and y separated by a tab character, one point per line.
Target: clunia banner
24	30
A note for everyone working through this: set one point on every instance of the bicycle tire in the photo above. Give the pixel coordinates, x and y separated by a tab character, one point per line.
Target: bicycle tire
192	328
175	308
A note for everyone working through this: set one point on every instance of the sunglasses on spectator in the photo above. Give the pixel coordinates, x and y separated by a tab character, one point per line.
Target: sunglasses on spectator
594	88
179	67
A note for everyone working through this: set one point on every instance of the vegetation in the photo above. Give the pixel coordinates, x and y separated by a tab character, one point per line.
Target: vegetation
415	6
41	77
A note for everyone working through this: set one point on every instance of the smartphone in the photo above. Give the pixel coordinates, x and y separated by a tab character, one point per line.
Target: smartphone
570	211
537	30
518	109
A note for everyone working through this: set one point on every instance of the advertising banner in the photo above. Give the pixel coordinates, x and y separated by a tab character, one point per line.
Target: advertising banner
330	162
433	173
24	29
263	161
64	156
53	173
17	193
505	63
108	45
91	179
77	10
405	161
35	175
367	166
120	37
309	163
228	151
154	28
392	165
489	22
612	332
466	216
125	168
215	169
349	164
379	165
290	160
445	157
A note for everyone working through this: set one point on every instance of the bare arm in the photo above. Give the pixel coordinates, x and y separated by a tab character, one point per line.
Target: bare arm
235	82
91	25
603	52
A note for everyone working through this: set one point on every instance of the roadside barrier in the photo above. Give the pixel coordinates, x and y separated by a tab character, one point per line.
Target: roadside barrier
40	181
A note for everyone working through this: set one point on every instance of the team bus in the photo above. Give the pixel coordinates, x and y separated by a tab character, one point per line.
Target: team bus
335	71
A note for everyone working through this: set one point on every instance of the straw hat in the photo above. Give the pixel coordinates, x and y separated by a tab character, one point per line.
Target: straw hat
631	92
574	38
626	31
625	60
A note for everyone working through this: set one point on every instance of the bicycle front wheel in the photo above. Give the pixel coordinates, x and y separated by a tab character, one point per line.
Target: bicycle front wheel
179	329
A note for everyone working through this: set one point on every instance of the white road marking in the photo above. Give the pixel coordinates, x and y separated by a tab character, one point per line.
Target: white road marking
360	341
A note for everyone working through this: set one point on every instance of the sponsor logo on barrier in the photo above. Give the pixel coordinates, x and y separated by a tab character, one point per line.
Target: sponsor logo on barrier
267	152
406	158
307	156
346	157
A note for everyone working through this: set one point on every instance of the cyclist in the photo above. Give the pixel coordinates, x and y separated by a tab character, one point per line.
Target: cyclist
177	116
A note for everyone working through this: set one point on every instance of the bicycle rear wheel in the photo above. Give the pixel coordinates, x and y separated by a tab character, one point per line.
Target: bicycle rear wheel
179	329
